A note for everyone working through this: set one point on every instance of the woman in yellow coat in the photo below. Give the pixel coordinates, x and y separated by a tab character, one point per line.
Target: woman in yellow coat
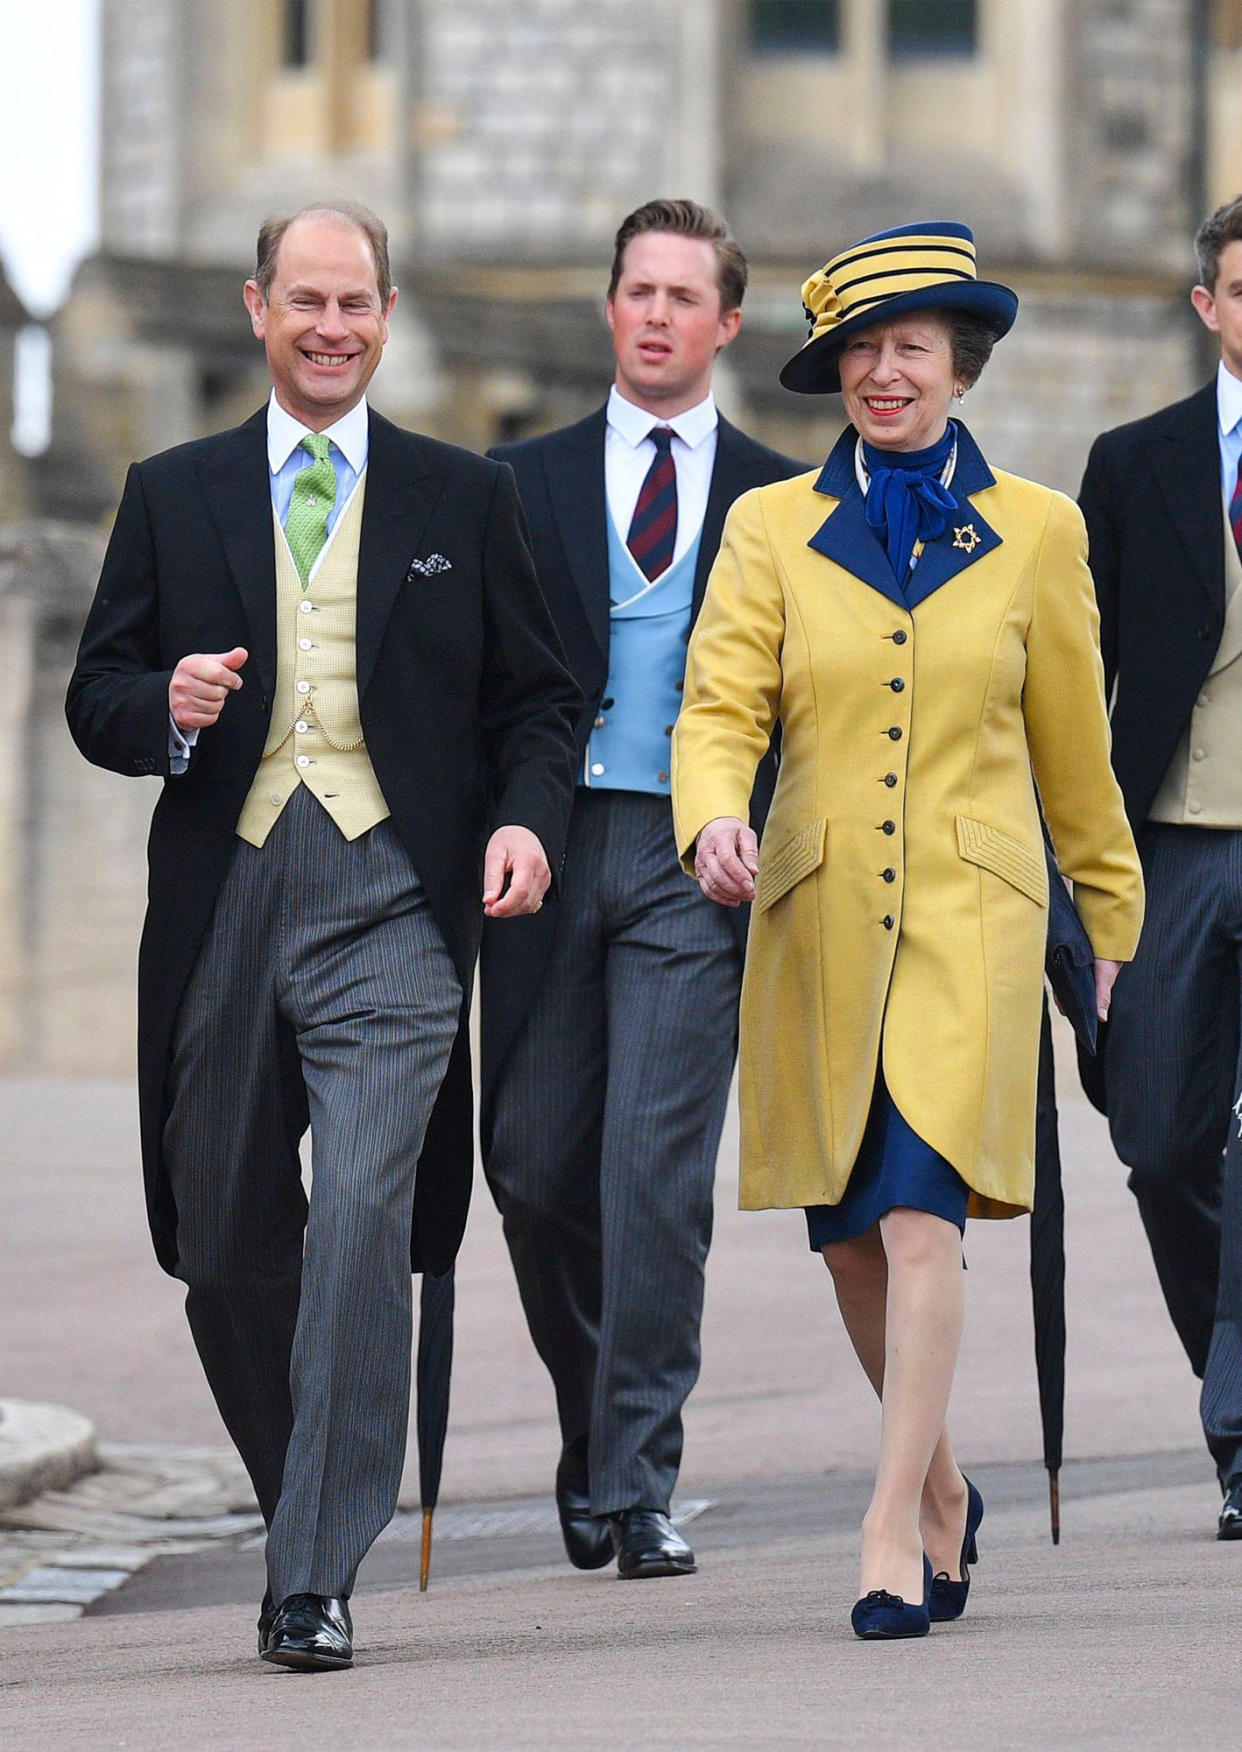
923	629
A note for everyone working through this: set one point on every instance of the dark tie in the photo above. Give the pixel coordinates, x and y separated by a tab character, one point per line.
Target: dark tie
653	532
1235	509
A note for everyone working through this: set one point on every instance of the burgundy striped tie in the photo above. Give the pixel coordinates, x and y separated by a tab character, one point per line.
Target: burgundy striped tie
653	532
1235	509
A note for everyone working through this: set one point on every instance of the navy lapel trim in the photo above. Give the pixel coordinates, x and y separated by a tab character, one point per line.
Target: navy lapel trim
573	467
237	486
848	539
404	482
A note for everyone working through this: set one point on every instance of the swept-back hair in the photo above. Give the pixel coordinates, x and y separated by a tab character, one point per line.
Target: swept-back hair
686	219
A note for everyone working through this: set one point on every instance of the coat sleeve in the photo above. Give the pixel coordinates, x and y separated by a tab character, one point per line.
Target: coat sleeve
117	703
528	701
733	679
1067	732
1095	500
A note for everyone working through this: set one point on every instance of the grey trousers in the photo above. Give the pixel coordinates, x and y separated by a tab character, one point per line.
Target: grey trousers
323	989
607	1124
1174	1073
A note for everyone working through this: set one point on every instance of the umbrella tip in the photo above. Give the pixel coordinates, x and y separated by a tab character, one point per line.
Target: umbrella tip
424	1567
1054	1503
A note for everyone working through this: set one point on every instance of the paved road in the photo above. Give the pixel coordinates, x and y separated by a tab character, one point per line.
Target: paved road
1123	1636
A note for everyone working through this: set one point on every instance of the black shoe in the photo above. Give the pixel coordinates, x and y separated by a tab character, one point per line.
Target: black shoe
647	1544
587	1537
882	1617
267	1612
948	1598
311	1632
1230	1524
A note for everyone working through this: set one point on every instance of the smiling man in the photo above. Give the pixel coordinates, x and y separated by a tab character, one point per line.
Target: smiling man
325	634
610	1022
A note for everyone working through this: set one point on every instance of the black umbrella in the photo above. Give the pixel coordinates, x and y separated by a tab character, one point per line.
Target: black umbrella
434	1367
1048	1273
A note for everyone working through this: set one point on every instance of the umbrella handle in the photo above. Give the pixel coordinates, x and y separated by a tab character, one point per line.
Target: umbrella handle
424	1567
1054	1502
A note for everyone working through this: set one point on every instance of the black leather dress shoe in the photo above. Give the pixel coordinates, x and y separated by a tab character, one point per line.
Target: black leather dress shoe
647	1544
311	1632
587	1537
267	1612
1230	1524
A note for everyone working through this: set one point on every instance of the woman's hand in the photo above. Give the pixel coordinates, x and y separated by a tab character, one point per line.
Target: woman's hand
1105	974
726	857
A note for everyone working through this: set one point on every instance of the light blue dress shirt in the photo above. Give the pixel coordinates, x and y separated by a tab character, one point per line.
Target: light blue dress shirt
1229	416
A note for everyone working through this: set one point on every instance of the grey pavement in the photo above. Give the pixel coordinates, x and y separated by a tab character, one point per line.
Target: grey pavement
1122	1636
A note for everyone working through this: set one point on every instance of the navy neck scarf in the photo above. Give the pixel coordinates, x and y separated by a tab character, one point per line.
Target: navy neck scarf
905	500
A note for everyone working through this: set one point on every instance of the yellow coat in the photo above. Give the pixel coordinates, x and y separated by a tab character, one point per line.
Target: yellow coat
902	893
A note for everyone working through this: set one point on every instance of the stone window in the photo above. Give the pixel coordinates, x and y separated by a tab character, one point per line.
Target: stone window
795	26
296	46
932	27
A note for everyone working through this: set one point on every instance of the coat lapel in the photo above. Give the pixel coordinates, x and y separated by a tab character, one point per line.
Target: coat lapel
574	471
848	539
237	485
1186	461
404	479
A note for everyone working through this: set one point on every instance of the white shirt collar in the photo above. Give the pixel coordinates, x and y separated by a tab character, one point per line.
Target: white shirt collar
1228	398
350	434
636	424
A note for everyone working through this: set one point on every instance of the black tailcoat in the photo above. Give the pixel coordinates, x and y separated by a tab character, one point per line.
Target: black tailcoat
465	703
1151	497
560	479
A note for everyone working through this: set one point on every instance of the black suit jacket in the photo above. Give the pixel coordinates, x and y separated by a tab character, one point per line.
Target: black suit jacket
560	477
467	709
1151	498
1152	502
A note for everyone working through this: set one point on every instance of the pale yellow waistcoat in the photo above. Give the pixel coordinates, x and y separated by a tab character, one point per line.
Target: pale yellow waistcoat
1203	786
315	735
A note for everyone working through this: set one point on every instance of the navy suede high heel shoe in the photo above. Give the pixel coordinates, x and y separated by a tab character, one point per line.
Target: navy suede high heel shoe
948	1599
881	1617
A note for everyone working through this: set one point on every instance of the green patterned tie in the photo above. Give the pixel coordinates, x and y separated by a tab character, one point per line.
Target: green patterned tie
314	495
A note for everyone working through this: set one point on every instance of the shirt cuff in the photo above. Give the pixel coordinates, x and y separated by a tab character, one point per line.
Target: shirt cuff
180	742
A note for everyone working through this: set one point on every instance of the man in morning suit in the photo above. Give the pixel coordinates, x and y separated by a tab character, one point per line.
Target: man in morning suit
326	635
1163	503
609	1023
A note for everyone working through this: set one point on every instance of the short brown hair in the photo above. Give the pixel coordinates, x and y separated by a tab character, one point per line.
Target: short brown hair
1224	226
686	219
272	232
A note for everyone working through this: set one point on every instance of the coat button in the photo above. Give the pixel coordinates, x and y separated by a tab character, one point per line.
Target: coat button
663	778
600	722
888	827
668	729
897	684
890	779
306	608
598	768
899	638
888	921
304	687
681	686
304	760
889	875
607	705
895	733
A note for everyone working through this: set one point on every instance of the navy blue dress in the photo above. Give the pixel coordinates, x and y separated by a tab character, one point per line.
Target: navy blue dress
893	1167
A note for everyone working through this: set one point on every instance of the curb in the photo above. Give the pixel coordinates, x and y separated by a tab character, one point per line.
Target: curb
42	1447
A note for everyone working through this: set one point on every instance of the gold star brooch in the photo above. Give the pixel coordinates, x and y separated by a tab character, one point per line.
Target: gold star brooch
967	538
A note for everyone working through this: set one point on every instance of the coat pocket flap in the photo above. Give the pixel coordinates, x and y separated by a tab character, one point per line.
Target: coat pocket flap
1004	856
793	859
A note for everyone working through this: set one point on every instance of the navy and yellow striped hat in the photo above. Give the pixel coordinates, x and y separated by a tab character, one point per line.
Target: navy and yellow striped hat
894	273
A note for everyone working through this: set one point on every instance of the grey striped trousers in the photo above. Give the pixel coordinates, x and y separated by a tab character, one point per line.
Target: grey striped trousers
323	990
1174	1072
608	1116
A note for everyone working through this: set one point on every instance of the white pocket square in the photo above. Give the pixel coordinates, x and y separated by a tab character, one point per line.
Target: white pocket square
430	566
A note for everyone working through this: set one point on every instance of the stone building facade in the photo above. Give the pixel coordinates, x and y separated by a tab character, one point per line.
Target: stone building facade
503	140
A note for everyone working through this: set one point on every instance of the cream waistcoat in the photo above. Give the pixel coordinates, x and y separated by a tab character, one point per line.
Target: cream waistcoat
315	735
1203	786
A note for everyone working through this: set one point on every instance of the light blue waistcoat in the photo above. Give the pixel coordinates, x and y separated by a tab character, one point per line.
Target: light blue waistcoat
630	746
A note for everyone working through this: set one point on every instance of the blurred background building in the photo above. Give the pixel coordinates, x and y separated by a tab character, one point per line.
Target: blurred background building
503	140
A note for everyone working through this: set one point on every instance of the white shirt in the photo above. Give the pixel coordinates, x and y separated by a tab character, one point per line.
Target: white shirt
1229	414
629	452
